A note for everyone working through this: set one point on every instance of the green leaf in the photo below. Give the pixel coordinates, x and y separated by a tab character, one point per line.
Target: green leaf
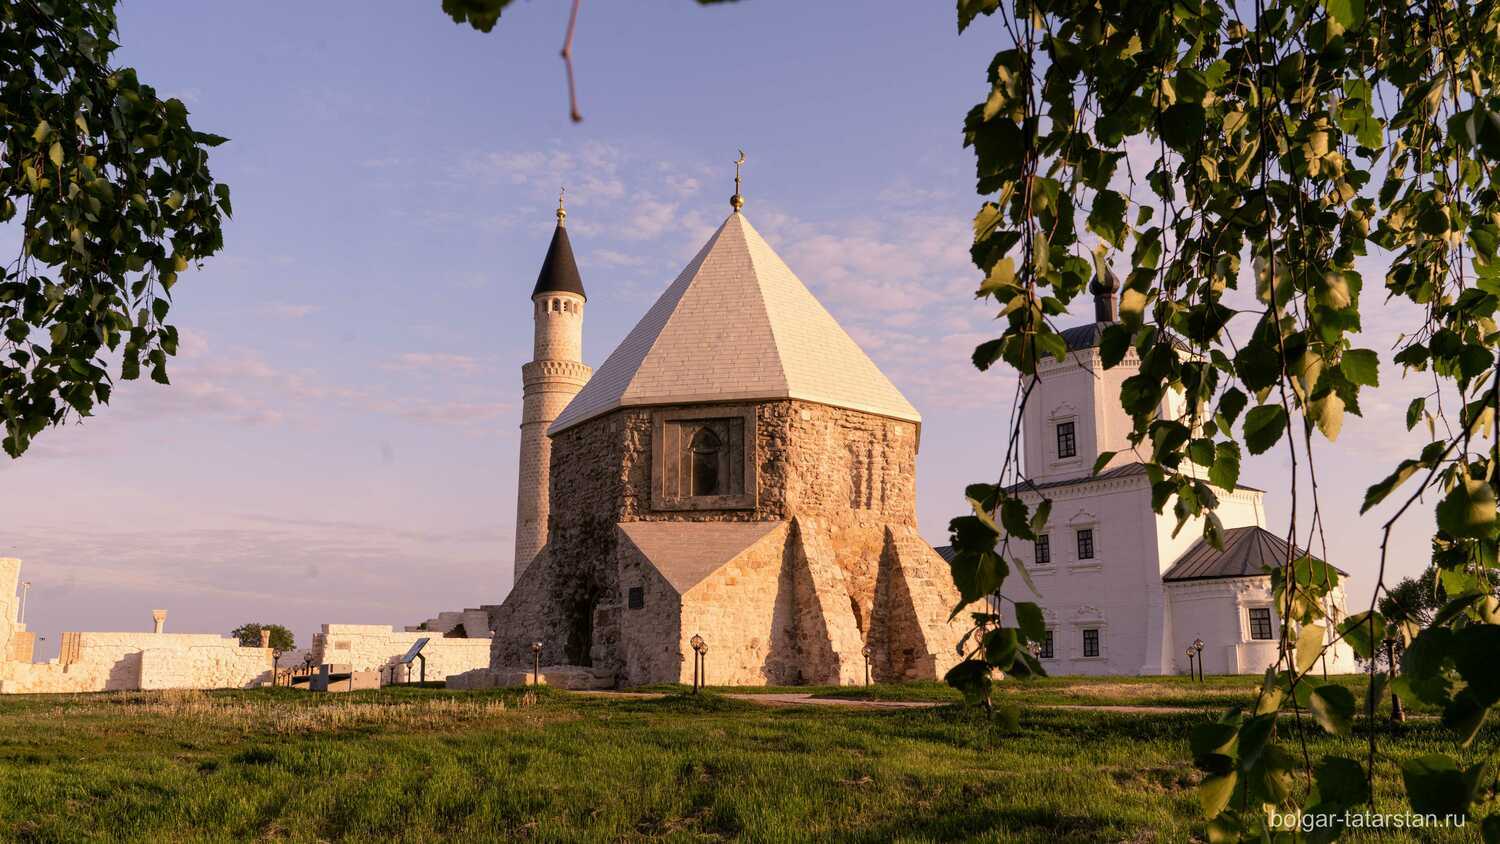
1364	631
968	10
1434	784
1414	412
1468	510
1309	646
1231	403
1361	366
1107	218
1029	620
1476	650
1341	782
1001	645
1263	427
1377	493
1215	791
972	677
1333	707
1349	13
1225	472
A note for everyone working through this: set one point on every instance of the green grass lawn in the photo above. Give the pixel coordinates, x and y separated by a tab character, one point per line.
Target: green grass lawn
426	765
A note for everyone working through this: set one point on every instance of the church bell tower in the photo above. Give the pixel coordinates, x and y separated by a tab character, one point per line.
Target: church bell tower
553	377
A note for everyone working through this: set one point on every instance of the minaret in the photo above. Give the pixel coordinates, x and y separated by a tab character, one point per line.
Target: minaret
553	377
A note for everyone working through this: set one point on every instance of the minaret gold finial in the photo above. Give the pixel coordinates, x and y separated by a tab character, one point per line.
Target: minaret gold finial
737	202
562	214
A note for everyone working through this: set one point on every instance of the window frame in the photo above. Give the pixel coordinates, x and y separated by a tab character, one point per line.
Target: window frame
1042	549
1097	642
1048	648
1270	623
1085	536
1072	439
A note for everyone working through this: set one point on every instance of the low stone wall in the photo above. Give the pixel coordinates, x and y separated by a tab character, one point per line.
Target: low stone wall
96	662
373	647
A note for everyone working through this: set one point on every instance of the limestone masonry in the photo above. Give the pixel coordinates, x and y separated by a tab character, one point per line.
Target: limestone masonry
96	662
738	469
553	377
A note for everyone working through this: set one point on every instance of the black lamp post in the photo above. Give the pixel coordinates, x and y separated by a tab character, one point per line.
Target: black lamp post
1192	672
1198	646
698	645
867	650
536	663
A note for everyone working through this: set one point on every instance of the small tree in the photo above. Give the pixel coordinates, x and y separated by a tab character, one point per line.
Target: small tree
282	639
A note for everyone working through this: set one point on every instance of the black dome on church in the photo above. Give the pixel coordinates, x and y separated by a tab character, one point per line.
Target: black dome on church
559	271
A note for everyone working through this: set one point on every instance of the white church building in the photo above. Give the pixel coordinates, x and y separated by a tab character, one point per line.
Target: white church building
1120	593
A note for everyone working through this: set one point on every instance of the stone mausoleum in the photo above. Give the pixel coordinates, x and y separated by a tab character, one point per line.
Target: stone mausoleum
737	469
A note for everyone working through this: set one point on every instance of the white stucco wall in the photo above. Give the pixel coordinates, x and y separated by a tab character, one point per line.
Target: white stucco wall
131	661
10	575
373	647
1144	625
1218	612
1081	390
1112	593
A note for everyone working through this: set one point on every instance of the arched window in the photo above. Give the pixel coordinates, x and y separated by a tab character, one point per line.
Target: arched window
705	448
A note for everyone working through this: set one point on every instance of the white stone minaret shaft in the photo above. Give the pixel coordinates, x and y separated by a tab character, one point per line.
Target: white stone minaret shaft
553	377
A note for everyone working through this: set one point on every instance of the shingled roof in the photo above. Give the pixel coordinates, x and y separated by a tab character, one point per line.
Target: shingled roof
737	325
1248	551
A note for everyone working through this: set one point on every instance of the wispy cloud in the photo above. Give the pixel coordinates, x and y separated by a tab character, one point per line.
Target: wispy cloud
431	362
290	310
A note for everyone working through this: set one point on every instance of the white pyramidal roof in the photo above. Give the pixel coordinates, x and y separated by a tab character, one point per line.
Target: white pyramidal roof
737	324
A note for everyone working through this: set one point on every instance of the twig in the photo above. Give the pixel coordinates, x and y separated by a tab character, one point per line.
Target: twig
567	57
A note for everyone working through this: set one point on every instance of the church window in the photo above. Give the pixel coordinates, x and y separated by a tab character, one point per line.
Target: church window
1043	550
1086	544
1046	650
1067	440
636	598
1260	622
1090	643
705	450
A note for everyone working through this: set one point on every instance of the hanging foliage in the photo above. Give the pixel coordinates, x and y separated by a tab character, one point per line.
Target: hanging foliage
1217	154
109	190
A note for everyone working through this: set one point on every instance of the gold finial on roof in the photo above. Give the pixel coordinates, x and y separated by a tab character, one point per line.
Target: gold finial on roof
737	202
562	214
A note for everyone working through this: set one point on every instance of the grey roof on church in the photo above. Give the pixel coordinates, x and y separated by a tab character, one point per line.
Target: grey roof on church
1084	336
1125	471
1248	551
736	325
559	271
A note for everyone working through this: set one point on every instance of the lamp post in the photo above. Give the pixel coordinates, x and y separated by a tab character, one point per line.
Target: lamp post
25	588
1398	715
698	645
536	663
1192	672
867	650
1198	646
703	657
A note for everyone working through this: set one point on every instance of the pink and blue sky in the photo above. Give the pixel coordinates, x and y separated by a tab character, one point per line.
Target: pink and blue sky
339	441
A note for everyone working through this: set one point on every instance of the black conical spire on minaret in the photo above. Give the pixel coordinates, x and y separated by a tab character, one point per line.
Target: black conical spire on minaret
559	271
